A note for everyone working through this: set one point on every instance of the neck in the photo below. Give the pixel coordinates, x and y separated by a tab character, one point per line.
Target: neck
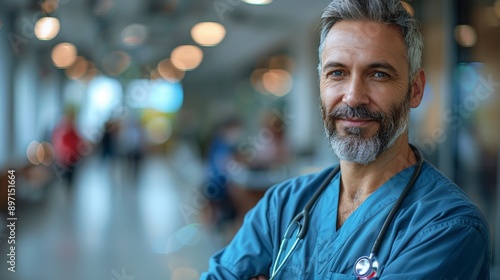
359	181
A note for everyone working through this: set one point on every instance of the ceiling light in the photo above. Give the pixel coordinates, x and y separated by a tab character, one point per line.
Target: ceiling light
277	81
169	72
465	35
258	2
208	33
63	55
47	28
186	57
78	69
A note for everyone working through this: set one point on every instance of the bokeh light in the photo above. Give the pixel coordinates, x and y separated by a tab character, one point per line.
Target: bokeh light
40	153
49	6
91	71
47	28
162	96
64	55
169	72
277	81
78	69
105	93
159	130
258	2
116	62
208	33
166	97
186	57
256	79
134	35
31	152
45	153
465	35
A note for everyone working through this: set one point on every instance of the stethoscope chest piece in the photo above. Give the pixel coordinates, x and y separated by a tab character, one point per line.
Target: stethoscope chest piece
366	268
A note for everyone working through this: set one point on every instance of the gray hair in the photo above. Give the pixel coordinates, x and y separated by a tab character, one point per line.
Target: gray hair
382	11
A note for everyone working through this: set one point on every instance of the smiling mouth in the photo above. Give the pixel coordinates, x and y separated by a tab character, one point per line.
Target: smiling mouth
356	122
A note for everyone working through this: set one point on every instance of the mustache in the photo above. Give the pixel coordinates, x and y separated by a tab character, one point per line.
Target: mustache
348	112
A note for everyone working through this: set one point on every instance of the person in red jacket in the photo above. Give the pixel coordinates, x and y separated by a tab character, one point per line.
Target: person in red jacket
67	144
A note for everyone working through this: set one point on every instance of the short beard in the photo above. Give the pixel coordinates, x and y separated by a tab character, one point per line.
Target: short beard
356	146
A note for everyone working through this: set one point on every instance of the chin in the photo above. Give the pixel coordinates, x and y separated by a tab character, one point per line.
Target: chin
359	132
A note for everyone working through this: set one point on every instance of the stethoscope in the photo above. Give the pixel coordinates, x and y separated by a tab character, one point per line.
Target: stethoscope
366	267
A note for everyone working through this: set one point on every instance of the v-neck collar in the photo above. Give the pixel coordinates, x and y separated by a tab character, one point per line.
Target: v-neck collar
330	240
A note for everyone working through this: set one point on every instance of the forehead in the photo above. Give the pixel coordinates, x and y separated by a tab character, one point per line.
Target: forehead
365	40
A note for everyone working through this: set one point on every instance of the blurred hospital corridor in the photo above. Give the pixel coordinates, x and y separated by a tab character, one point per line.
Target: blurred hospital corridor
109	226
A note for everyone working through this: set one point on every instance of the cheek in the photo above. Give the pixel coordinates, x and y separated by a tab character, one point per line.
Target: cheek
329	96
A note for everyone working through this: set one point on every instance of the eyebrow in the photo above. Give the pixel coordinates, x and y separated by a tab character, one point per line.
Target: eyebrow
381	65
333	64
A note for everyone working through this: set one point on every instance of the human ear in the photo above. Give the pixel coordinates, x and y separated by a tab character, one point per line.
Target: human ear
417	89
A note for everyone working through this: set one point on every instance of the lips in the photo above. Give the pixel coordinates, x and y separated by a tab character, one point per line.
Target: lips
356	122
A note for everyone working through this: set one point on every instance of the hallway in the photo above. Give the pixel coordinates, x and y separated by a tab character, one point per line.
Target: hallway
112	228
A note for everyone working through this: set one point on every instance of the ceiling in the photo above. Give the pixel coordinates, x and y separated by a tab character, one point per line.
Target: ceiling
94	26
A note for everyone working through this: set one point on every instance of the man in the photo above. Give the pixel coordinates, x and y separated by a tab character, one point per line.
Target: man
370	77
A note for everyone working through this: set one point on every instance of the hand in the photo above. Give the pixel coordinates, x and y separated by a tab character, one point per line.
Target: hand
260	277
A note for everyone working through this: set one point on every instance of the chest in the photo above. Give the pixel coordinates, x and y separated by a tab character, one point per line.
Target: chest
333	242
345	208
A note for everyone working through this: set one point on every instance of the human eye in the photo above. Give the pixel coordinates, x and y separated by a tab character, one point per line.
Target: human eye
381	75
336	74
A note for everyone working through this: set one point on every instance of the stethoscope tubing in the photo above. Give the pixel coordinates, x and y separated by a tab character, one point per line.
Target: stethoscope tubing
304	215
397	204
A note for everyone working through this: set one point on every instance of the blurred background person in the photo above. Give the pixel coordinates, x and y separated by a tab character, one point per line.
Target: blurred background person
130	145
109	141
68	146
263	160
221	156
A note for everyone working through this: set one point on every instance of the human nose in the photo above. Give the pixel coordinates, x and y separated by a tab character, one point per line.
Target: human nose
355	92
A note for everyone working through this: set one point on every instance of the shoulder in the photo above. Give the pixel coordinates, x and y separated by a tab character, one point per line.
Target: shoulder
438	220
433	186
437	203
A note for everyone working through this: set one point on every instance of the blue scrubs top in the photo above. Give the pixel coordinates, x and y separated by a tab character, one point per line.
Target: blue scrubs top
438	233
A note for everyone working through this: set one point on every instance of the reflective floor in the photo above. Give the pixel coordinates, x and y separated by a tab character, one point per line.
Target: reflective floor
114	226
